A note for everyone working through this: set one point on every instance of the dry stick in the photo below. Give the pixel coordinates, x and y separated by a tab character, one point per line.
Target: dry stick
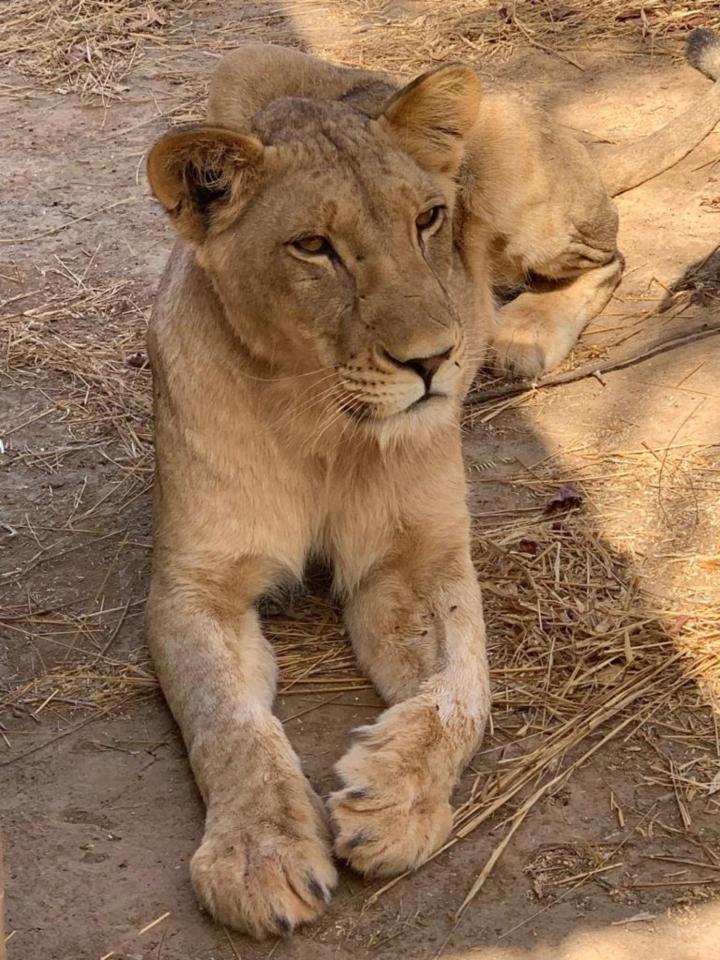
541	46
590	369
587	875
232	944
65	733
525	809
38	559
566	893
676	883
28	618
316	706
148	926
558	743
116	631
684	860
69	223
26	423
18	296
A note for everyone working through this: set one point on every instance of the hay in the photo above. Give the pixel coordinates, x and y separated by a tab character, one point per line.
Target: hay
92	46
580	653
312	654
580	656
407	36
85	46
105	395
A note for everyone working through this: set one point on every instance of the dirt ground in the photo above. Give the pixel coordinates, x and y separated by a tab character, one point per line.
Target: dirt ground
620	855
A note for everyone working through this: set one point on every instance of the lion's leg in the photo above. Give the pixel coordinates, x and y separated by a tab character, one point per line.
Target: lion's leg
536	331
417	627
264	864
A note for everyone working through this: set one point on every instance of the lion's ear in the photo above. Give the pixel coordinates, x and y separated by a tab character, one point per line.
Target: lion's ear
431	117
199	171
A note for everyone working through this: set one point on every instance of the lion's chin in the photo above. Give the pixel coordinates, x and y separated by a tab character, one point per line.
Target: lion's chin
371	414
416	422
425	399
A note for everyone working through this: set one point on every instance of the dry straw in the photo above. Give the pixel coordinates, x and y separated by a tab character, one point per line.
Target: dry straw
92	46
86	46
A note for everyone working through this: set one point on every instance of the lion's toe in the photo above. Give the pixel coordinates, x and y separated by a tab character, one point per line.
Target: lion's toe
384	824
263	881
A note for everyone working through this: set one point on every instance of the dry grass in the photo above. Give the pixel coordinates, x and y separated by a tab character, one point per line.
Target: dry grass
84	46
581	654
105	394
406	35
91	46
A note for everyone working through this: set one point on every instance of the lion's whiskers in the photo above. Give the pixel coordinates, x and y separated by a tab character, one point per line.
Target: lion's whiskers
291	376
342	409
291	415
351	423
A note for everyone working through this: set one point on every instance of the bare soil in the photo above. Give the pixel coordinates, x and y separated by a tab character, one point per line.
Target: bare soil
98	808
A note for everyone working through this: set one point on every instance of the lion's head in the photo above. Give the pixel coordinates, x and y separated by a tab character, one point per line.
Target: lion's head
328	236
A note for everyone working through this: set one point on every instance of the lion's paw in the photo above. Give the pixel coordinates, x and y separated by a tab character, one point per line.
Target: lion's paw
262	877
392	814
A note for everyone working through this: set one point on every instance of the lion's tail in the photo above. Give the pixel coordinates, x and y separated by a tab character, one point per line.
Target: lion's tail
627	165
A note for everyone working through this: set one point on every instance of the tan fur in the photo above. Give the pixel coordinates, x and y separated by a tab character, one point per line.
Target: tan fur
288	380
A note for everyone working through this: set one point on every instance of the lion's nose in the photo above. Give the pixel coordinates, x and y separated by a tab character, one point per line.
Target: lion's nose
424	367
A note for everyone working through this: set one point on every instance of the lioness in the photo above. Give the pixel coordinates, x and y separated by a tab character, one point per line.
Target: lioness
319	321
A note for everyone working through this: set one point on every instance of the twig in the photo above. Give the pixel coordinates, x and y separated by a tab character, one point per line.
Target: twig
541	46
232	944
591	369
116	631
527	806
707	881
69	223
59	736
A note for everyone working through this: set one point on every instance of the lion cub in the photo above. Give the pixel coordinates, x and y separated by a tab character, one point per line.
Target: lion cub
319	322
310	348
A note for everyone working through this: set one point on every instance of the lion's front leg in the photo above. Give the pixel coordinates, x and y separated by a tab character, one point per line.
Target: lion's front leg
264	864
417	626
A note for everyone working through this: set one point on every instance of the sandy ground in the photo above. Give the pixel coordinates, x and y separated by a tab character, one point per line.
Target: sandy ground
99	811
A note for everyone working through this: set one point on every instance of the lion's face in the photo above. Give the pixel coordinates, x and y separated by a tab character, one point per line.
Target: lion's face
328	237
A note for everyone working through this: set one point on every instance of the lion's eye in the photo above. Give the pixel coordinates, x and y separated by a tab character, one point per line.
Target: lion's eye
315	246
430	218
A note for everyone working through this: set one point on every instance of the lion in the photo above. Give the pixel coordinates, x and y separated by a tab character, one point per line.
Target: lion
325	308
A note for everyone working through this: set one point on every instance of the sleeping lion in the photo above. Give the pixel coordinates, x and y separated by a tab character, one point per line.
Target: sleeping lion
325	308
